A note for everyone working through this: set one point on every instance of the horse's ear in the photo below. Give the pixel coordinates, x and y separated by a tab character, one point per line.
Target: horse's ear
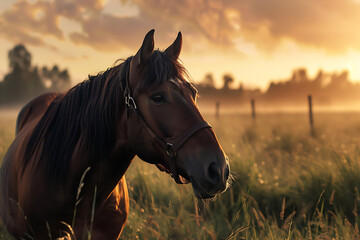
146	49
175	48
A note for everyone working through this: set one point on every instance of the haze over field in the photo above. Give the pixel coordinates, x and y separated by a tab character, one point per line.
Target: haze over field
256	41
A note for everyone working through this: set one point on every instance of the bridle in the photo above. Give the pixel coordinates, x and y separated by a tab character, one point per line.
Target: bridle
170	147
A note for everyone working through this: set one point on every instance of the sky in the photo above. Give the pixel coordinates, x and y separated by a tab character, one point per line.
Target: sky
257	41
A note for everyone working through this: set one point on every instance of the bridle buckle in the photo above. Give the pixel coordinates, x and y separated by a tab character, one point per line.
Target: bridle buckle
170	151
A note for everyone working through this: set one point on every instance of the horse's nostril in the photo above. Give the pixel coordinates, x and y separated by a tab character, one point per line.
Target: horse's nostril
214	173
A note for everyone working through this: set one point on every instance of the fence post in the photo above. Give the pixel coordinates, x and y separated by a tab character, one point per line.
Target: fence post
253	114
311	119
217	109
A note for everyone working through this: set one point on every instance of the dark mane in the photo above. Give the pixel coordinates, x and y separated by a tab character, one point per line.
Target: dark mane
86	115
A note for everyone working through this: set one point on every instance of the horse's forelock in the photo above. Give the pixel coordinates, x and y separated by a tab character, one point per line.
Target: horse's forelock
161	68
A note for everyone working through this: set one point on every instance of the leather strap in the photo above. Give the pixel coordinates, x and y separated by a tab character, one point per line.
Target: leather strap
186	135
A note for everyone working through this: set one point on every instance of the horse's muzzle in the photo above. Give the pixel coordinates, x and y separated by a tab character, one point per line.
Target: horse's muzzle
214	182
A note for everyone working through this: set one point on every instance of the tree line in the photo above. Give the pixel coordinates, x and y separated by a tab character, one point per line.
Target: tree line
326	88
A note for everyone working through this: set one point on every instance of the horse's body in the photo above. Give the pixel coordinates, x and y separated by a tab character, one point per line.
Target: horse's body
90	135
115	204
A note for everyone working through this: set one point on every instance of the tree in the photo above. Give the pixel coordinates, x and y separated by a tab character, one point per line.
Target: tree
228	79
208	81
55	79
319	79
63	80
22	81
299	75
19	58
241	87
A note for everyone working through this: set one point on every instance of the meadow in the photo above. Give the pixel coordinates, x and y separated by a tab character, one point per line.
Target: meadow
288	183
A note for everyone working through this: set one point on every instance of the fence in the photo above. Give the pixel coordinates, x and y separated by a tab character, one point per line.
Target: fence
253	112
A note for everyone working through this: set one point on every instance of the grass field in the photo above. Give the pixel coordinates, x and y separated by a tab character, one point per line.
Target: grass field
288	184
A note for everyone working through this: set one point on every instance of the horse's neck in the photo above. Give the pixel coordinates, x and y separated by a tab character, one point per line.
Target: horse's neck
108	172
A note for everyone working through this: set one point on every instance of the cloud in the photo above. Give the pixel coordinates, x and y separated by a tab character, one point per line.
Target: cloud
27	22
205	16
17	36
326	24
78	9
202	22
76	58
106	32
39	17
110	33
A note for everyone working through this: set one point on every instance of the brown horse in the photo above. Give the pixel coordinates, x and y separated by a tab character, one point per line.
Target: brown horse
145	106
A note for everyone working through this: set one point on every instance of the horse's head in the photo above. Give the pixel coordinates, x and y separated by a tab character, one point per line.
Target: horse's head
165	126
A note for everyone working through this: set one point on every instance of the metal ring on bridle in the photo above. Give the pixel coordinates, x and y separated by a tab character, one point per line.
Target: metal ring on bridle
129	101
170	151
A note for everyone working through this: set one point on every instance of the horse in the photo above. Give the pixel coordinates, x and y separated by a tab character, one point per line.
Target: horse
63	175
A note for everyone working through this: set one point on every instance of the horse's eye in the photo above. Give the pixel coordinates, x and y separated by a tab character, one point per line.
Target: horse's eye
158	98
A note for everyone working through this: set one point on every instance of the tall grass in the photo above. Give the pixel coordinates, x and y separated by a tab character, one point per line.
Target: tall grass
288	184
